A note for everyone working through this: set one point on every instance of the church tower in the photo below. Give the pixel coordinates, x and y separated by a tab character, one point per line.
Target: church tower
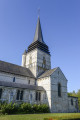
37	56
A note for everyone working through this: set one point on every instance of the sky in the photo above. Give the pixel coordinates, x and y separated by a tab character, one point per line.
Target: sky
60	22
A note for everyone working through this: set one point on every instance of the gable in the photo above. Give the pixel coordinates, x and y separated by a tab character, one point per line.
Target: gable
53	73
58	73
47	73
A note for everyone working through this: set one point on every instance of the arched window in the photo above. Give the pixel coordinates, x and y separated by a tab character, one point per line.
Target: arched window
59	90
14	79
38	96
19	95
44	63
35	82
0	93
29	82
71	101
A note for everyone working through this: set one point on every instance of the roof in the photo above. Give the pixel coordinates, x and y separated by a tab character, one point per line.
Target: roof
18	85
73	96
15	69
38	33
47	73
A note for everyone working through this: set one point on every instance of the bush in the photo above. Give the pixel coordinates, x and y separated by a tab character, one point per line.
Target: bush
9	108
41	108
24	108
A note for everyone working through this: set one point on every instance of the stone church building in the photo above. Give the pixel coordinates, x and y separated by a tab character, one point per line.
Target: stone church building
35	82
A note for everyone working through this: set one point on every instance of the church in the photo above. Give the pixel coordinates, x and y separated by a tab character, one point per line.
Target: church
34	81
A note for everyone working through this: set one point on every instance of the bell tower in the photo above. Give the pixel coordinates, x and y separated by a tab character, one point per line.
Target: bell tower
37	56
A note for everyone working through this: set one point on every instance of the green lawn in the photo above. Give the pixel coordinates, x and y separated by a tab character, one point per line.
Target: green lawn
39	116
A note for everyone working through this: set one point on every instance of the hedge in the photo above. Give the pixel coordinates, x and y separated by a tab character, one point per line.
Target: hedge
24	108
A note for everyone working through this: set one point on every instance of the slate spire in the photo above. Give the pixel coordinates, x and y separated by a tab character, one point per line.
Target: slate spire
38	40
38	33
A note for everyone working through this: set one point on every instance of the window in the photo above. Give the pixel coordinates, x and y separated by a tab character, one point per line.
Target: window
71	101
30	97
59	90
28	81
19	95
14	79
0	93
44	63
38	96
35	82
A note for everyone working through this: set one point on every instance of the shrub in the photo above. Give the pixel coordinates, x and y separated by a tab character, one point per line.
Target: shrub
24	108
41	108
9	108
44	108
35	108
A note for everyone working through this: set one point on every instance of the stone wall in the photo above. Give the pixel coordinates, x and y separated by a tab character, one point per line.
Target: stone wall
9	94
45	83
73	104
34	61
18	79
30	61
43	62
59	103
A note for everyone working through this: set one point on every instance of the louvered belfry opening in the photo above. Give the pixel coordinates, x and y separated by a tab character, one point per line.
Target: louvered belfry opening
38	45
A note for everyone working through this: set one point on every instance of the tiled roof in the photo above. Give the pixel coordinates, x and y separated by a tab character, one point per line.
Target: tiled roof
15	69
18	85
47	73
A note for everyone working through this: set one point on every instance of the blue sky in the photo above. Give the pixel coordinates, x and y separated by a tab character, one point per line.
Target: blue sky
60	21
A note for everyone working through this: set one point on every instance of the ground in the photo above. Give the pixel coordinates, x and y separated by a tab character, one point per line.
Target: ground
39	116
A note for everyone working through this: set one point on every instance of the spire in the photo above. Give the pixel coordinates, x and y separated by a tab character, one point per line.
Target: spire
38	40
38	33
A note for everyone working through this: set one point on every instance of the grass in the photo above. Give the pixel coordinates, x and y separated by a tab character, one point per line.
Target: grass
56	116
